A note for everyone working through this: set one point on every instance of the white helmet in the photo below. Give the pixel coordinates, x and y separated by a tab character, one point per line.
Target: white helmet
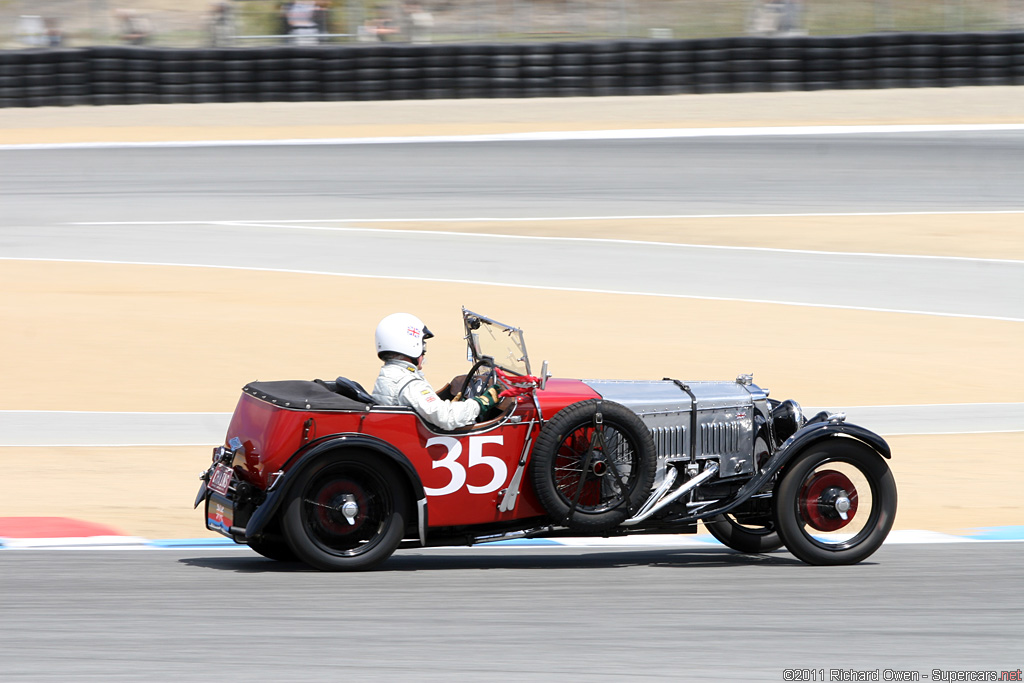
402	333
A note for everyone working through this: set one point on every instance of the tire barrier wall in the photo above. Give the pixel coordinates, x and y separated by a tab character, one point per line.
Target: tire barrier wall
139	75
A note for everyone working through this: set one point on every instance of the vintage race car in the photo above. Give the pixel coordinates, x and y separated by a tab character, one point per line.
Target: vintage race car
315	471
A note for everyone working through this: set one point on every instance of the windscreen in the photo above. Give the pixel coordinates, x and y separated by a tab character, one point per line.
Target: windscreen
502	343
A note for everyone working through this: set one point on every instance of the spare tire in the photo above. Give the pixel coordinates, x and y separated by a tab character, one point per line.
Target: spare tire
585	484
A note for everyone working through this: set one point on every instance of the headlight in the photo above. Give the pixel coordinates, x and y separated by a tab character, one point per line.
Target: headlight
787	417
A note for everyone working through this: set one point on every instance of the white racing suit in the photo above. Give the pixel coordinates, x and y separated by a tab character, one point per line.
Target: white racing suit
401	384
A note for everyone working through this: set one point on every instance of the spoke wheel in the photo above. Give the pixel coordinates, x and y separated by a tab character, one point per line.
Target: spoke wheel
591	476
836	503
346	514
746	537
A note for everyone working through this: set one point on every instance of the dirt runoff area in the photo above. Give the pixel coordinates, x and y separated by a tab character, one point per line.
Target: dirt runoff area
279	120
141	337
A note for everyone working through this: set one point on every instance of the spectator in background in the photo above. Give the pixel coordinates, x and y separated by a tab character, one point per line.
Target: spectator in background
31	30
419	23
222	24
776	17
302	22
282	17
376	29
135	28
322	17
792	21
54	34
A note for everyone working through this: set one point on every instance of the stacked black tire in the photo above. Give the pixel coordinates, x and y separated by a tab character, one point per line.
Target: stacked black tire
137	75
44	78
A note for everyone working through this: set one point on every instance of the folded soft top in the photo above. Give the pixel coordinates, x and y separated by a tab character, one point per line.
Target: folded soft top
302	395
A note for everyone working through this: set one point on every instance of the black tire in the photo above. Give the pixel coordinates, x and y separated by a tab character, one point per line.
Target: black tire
321	535
805	503
274	549
602	499
743	537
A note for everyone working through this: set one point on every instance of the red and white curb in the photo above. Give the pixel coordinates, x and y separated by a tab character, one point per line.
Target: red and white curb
62	532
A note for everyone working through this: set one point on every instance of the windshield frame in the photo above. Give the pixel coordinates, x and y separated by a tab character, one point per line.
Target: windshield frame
473	322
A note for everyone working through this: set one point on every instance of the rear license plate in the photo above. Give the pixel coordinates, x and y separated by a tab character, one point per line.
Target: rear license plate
221	479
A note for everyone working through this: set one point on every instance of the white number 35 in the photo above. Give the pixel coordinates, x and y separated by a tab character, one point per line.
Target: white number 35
476	457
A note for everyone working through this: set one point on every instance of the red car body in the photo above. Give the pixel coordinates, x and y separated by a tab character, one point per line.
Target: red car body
463	473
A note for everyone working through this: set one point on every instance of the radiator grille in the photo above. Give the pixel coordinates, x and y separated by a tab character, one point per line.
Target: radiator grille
669	441
719	438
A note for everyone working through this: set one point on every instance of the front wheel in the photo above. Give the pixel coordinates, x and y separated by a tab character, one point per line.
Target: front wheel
836	503
346	513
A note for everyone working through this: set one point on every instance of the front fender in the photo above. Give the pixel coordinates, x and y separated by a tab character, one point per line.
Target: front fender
806	436
816	431
313	451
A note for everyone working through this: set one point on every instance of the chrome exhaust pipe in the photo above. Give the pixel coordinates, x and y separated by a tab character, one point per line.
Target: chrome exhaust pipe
666	484
649	509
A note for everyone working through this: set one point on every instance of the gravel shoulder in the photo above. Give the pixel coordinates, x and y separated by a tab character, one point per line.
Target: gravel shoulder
280	120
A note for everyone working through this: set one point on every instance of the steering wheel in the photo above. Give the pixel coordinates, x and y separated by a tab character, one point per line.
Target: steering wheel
474	384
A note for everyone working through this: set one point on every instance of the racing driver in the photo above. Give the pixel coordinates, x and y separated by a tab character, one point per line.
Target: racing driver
401	344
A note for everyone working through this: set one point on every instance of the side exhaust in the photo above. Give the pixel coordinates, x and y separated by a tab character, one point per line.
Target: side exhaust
659	500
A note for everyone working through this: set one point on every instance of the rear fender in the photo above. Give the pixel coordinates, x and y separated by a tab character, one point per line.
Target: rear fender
327	447
804	438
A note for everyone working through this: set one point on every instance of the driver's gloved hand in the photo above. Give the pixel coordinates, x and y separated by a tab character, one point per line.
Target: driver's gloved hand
489	398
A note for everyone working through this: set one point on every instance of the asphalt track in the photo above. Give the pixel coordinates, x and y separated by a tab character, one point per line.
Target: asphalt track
507	614
843	173
572	614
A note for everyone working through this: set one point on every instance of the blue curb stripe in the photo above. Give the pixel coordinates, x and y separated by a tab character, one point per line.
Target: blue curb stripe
194	543
998	533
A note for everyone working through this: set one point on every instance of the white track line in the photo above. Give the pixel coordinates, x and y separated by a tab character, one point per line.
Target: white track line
305	225
520	219
548	136
549	288
608	240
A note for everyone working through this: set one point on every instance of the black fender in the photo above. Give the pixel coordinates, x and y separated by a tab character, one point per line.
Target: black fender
811	433
312	452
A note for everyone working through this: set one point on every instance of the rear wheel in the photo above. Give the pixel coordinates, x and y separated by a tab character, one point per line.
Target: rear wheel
746	537
836	503
347	513
273	549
